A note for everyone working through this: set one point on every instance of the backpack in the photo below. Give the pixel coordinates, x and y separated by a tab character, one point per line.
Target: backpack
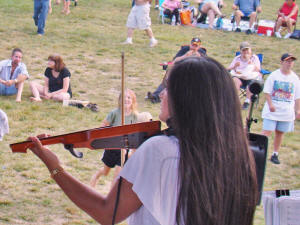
295	34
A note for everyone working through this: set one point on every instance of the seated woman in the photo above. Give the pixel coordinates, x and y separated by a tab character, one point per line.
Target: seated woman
196	172
212	9
245	68
287	16
57	82
171	8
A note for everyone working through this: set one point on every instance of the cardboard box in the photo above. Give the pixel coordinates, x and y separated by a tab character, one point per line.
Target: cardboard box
264	25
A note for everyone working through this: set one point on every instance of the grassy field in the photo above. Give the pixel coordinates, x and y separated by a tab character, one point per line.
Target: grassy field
89	41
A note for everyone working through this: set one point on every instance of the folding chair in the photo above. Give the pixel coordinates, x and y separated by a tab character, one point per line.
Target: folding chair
283	27
264	72
161	15
244	19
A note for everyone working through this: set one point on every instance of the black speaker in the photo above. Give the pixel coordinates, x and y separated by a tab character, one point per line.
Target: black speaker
259	146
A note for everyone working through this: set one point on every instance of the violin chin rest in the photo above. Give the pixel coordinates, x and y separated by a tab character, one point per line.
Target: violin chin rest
75	153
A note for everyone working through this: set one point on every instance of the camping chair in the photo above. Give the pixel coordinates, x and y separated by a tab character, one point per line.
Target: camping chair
264	72
283	27
244	19
161	15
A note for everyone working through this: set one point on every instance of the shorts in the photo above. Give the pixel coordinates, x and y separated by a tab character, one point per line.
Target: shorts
5	90
245	83
111	158
139	17
283	126
246	14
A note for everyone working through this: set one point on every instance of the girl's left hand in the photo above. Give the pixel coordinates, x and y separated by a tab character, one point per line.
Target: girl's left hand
45	154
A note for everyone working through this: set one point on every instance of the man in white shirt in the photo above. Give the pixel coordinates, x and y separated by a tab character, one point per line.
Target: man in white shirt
13	73
282	90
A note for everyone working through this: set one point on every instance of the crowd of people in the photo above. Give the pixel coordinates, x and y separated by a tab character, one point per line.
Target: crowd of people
181	176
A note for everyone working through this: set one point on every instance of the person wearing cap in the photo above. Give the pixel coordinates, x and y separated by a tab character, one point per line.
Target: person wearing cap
282	106
287	16
244	68
13	74
247	9
194	49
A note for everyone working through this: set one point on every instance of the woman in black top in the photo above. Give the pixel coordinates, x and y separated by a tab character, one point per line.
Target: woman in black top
57	82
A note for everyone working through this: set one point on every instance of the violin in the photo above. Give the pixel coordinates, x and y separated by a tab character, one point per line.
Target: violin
126	136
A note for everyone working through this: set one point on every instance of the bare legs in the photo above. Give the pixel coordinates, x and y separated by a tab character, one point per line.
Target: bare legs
103	171
211	9
39	93
19	86
148	31
239	14
66	8
277	140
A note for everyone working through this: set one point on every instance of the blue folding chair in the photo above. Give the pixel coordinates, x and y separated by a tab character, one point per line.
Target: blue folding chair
243	91
161	15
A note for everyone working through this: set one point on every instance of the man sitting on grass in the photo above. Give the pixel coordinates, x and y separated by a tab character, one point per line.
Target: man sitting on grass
13	73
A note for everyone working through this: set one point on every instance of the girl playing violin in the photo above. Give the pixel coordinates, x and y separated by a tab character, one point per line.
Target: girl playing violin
201	173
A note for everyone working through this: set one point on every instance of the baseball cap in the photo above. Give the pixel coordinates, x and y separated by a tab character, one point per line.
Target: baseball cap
244	45
196	41
287	56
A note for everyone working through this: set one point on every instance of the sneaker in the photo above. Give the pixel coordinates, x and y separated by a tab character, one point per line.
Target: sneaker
274	159
156	7
248	31
127	42
153	43
277	34
238	29
245	106
287	35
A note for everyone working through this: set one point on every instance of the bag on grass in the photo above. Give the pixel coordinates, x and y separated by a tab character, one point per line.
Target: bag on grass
295	34
185	17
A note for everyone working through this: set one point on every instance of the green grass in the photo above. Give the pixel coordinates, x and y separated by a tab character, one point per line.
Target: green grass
89	41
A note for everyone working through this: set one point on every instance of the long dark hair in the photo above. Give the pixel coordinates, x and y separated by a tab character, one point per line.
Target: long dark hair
217	179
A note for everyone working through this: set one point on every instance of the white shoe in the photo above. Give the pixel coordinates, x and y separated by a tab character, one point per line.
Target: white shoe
153	43
127	42
277	34
287	35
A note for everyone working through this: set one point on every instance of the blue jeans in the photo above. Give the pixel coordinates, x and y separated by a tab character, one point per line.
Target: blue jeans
8	90
40	14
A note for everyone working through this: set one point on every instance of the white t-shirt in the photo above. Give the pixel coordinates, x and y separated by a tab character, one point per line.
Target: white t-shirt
284	90
153	171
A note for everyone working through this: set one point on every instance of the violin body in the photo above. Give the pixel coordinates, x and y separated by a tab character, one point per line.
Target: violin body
126	136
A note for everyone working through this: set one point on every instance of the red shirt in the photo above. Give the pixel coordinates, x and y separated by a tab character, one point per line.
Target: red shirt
286	10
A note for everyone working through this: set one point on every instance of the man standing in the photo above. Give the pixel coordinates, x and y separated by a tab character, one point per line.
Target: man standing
139	18
282	91
41	9
244	69
13	73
